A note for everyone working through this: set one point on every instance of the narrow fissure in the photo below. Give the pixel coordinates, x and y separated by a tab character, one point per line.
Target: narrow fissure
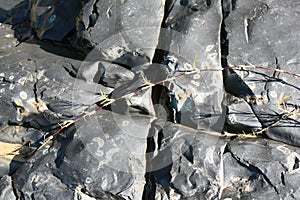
159	92
94	16
35	91
224	49
223	36
35	88
15	191
150	186
159	96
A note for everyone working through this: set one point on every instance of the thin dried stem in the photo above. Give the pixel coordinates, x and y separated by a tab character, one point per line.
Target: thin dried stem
147	84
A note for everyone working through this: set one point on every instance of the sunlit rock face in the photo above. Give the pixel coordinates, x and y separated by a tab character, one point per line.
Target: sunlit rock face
144	102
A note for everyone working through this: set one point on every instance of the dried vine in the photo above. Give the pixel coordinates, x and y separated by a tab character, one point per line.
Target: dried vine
106	101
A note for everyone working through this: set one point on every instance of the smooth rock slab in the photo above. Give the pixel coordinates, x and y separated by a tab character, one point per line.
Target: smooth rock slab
125	32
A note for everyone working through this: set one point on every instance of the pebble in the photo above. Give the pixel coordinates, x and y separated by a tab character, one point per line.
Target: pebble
88	180
23	95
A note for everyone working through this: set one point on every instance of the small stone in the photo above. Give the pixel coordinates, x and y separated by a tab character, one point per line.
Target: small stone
88	180
23	95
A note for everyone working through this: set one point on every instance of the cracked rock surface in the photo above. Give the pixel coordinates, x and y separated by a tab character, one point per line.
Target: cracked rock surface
264	33
140	99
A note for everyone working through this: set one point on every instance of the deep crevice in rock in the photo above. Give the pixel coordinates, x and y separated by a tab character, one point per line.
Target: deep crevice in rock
282	178
233	83
94	16
15	191
296	164
150	186
35	89
230	77
159	96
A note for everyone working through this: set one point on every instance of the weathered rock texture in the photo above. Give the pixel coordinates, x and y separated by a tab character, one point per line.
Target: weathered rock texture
212	133
264	33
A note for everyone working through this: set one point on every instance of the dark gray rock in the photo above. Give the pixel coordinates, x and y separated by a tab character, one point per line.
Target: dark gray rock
53	20
7	113
257	168
187	163
125	32
32	82
100	158
107	154
188	49
14	12
123	36
105	73
136	148
43	76
8	5
35	180
68	95
259	32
